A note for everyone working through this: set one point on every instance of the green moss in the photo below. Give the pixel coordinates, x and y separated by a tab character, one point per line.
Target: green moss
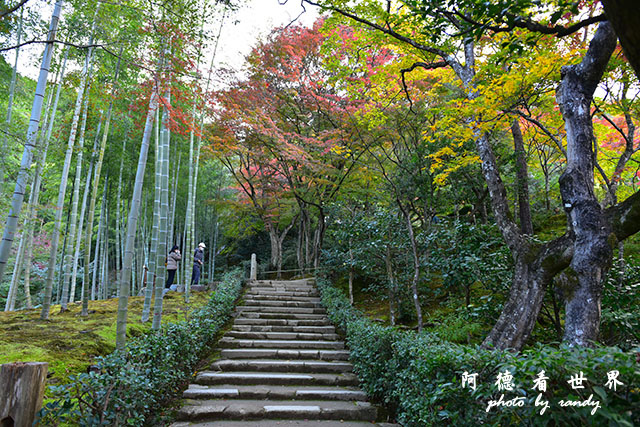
69	342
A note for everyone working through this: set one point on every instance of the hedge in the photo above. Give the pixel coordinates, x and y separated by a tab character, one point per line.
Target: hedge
128	387
419	377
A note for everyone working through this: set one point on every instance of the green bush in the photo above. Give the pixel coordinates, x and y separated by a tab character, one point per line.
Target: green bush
419	377
128	387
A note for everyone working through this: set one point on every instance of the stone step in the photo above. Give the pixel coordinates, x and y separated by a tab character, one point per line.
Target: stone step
229	342
283	294
283	315
274	365
309	281
281	423
287	354
251	335
317	321
253	288
275	378
226	391
262	297
285	409
287	310
328	329
285	303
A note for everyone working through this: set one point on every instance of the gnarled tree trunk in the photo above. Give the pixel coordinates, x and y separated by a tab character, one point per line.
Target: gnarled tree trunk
592	252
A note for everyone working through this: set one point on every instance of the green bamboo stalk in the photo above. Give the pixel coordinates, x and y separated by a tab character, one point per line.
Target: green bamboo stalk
68	262
94	194
45	136
123	299
79	235
12	90
30	143
151	274
55	233
161	269
118	203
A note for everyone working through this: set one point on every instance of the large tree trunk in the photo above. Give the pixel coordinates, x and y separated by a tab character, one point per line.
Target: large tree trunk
624	15
592	251
533	271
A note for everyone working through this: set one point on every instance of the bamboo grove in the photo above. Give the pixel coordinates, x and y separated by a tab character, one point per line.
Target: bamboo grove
116	81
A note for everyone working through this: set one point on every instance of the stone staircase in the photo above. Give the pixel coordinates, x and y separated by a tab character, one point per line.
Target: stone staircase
282	364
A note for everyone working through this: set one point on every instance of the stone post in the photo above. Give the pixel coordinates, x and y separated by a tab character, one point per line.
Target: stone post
254	268
21	392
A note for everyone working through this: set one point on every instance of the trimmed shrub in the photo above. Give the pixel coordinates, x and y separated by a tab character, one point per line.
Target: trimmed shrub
419	377
128	387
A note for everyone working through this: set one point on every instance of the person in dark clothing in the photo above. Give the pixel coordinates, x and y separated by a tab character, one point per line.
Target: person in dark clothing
198	257
172	265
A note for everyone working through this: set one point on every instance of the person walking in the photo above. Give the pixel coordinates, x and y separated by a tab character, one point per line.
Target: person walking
198	257
173	259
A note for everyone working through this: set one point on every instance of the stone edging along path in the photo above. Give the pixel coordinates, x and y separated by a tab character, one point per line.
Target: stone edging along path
282	364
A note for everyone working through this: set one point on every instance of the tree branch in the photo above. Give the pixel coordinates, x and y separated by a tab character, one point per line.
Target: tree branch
542	128
426	66
6	12
521	22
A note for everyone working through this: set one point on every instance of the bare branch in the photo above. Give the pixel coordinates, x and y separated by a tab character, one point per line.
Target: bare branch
35	41
521	22
6	12
426	66
542	128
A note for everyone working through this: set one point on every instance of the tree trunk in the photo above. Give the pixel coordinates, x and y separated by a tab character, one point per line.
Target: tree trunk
188	232
85	196
132	223
161	268
74	208
55	233
118	204
625	18
96	291
530	281
34	197
12	89
318	238
592	252
21	393
392	285
351	272
155	227
416	264
30	142
522	179
94	192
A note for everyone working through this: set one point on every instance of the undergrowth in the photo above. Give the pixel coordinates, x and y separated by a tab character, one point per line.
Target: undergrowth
419	377
69	342
129	387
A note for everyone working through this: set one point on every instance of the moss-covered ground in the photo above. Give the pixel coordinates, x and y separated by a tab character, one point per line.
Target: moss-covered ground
69	342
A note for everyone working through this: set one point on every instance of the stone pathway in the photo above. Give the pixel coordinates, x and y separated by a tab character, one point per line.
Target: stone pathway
281	364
